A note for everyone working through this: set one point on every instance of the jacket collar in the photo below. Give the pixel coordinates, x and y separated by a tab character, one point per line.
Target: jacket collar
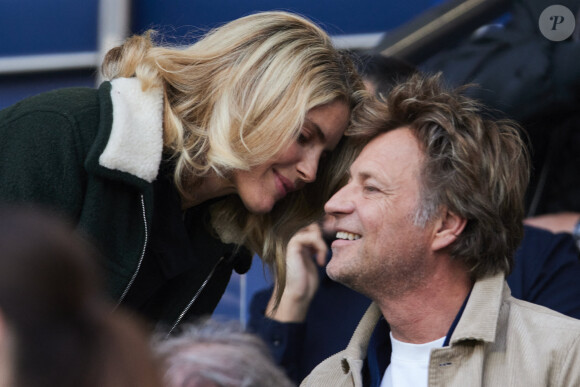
135	143
480	317
352	359
358	345
478	321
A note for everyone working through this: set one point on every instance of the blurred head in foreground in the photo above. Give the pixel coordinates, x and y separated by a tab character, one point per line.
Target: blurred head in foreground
212	354
56	327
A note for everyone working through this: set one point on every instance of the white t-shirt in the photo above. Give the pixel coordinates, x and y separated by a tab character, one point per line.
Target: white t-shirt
409	363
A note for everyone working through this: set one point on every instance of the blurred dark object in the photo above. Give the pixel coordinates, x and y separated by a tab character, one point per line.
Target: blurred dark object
438	28
524	76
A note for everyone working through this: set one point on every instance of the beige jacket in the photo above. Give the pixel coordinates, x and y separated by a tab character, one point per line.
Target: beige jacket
499	341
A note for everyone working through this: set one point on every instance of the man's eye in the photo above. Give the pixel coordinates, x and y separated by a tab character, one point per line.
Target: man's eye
370	188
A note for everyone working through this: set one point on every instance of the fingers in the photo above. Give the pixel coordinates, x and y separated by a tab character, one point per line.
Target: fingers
309	241
321	249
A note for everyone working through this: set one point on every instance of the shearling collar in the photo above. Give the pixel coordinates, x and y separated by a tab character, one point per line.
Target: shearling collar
135	144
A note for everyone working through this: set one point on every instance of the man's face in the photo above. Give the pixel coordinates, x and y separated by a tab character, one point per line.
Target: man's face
379	250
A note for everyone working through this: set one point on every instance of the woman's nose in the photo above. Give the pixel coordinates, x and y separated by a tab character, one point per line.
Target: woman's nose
308	166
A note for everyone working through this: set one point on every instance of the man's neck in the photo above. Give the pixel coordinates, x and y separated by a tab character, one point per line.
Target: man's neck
426	313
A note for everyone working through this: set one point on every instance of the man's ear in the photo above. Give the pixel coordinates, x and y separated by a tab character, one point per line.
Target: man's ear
448	227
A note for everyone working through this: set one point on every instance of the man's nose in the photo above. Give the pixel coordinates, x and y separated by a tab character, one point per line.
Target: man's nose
339	203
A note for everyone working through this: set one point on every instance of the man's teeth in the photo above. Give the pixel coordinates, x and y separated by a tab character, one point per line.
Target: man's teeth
347	235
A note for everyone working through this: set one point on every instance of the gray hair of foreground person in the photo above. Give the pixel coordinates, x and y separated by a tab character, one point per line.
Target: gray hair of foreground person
212	353
56	326
474	166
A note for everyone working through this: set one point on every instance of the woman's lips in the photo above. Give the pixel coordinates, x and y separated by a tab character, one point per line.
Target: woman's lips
283	185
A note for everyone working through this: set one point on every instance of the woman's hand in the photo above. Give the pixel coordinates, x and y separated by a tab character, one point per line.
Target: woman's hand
305	250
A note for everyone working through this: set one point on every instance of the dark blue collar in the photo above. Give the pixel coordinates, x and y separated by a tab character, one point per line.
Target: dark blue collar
456	321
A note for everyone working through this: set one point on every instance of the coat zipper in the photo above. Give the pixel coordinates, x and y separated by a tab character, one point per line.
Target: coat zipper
142	255
195	296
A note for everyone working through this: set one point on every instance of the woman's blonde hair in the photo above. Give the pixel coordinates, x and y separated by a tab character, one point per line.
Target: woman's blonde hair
235	99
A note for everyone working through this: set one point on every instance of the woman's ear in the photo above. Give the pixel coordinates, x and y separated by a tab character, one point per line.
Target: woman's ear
447	229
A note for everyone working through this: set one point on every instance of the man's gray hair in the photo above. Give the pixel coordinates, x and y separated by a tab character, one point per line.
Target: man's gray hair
212	353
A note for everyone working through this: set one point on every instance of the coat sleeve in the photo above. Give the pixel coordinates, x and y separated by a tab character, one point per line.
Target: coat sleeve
285	340
569	373
41	161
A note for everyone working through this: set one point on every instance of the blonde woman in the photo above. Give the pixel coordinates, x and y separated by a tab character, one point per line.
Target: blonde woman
185	157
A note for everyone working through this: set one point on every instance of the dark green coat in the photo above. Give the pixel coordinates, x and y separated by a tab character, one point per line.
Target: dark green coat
93	155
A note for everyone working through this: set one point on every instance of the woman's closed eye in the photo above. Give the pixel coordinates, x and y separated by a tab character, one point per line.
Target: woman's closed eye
303	137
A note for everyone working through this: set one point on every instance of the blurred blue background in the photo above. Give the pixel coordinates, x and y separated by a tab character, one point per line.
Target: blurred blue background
33	31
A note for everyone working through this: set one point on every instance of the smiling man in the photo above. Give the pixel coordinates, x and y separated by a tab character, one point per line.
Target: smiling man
427	227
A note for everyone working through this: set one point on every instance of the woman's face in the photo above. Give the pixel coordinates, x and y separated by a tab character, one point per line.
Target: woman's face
262	186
